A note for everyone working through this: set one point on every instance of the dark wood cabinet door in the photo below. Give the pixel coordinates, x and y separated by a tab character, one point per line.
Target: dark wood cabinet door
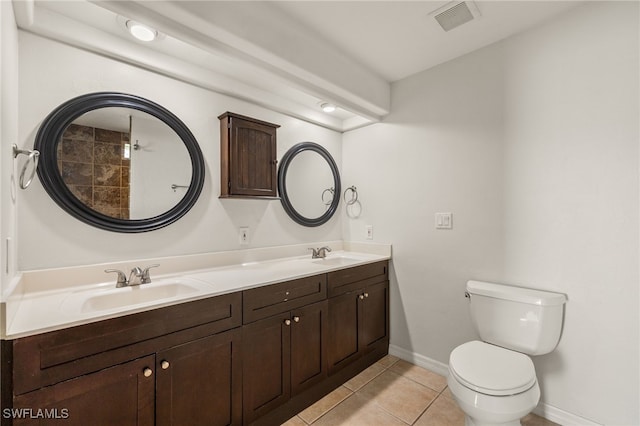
266	365
200	382
253	158
344	331
308	339
122	395
375	316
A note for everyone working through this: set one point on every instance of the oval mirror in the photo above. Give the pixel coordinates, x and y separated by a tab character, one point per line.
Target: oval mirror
309	184
119	162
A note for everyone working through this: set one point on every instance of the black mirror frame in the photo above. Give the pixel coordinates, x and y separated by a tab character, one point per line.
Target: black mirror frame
282	189
53	128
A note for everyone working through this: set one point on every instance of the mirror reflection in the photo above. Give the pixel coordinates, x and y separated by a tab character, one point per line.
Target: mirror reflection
310	185
124	163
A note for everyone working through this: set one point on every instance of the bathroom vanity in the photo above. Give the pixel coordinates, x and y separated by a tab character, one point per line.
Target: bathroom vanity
252	356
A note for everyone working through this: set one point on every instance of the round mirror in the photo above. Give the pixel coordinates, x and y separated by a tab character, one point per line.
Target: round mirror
119	162
309	184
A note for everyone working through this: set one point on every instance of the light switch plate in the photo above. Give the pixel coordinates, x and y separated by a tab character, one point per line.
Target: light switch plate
444	221
244	235
369	232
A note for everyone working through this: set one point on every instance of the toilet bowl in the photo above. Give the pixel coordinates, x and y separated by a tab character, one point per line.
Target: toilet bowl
492	385
494	380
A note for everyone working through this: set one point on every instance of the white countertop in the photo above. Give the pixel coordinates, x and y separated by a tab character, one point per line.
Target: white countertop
35	308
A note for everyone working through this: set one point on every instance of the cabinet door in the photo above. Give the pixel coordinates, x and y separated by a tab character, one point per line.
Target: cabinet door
253	158
343	331
308	339
122	395
266	365
199	383
375	316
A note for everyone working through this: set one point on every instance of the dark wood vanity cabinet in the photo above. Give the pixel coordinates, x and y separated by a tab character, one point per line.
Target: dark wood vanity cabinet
169	366
284	352
119	395
358	314
253	357
247	157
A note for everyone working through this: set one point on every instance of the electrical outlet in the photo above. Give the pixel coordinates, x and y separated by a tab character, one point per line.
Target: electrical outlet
369	232
244	235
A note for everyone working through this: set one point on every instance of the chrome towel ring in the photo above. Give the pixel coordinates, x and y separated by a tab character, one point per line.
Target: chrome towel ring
354	207
32	157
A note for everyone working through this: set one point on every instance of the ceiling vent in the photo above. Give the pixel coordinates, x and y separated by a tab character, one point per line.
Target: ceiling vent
454	14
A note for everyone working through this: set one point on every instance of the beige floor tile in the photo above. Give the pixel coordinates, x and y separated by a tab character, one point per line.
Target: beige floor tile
447	392
398	395
320	408
534	420
443	412
358	411
294	421
388	361
364	377
420	375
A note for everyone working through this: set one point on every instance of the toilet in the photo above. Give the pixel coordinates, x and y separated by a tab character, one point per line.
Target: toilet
494	381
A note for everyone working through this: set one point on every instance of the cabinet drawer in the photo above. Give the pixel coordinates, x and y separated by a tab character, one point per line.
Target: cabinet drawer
49	358
345	280
273	299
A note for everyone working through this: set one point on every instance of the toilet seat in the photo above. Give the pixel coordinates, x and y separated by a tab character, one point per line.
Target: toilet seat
492	370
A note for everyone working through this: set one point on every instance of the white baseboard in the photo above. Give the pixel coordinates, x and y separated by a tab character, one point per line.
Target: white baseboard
562	417
420	360
547	411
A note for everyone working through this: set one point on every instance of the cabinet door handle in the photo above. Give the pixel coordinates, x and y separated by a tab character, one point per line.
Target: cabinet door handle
147	372
366	295
287	322
361	296
164	364
296	319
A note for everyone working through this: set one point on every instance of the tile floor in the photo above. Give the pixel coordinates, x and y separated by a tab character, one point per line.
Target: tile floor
391	392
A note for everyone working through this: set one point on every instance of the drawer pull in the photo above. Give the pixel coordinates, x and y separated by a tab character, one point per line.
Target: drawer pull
296	319
147	372
287	322
366	295
164	364
361	296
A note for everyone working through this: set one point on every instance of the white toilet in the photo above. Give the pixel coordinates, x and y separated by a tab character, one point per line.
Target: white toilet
494	381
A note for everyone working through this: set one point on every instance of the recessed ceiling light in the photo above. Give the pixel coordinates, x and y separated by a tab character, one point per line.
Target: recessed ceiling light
327	107
141	31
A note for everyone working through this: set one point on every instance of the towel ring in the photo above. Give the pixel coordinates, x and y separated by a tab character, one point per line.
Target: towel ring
32	157
354	195
331	192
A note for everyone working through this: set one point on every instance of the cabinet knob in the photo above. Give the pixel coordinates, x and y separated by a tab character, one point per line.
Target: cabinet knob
366	295
147	372
164	364
296	319
361	296
287	322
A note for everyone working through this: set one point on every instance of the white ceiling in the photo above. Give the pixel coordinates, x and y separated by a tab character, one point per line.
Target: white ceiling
288	56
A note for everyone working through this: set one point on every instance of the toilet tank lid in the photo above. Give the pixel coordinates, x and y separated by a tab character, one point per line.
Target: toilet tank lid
517	294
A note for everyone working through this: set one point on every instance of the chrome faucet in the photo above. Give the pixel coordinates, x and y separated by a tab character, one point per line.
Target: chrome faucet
138	276
319	253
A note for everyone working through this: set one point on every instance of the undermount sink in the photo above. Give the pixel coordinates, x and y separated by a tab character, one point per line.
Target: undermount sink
336	261
114	298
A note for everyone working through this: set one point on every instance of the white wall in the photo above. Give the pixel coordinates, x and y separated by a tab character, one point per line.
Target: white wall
51	73
8	136
532	143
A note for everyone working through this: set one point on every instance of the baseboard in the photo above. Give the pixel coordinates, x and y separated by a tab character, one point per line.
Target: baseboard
562	417
420	360
547	411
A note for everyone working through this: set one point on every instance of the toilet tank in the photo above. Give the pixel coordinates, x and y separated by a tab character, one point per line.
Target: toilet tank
517	318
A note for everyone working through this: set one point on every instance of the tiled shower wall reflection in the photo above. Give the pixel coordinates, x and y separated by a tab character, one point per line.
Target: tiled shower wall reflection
93	166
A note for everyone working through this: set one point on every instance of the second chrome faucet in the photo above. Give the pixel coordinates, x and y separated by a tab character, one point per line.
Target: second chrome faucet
319	253
136	277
